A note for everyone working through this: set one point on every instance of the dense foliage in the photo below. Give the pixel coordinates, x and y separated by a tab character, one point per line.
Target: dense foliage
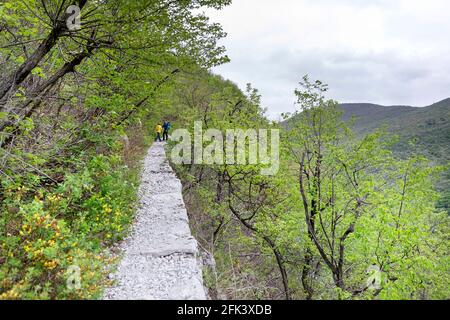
75	108
342	219
424	130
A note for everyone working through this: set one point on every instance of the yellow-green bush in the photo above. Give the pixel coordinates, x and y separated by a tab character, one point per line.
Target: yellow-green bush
45	234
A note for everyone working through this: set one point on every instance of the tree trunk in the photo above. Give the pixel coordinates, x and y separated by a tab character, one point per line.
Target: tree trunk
283	273
11	82
272	246
306	274
35	97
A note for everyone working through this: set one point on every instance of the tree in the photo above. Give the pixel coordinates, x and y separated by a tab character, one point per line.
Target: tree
352	189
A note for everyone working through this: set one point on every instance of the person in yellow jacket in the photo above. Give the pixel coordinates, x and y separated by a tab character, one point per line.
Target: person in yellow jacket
158	130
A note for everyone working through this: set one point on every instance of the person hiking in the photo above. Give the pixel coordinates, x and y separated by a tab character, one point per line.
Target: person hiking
158	131
166	127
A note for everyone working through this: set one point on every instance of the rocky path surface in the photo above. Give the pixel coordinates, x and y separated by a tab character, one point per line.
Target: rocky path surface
160	256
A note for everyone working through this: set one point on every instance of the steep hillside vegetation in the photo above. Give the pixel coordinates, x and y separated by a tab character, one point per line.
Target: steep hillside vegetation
341	218
424	131
75	111
420	130
338	208
429	127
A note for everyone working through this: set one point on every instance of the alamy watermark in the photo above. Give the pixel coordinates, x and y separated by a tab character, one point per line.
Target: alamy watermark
73	278
374	279
73	22
232	147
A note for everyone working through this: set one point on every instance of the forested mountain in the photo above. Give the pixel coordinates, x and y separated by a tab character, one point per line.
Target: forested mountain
424	130
360	204
342	218
420	130
428	127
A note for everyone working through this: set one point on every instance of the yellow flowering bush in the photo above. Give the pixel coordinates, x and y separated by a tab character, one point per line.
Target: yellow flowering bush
46	236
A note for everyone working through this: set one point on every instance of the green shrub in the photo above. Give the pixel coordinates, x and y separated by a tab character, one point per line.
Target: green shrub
46	234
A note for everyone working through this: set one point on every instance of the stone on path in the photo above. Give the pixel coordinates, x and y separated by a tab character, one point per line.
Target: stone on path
160	255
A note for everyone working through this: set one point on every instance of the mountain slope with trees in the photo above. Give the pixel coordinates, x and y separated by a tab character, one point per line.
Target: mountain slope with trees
428	126
423	131
343	218
341	206
420	130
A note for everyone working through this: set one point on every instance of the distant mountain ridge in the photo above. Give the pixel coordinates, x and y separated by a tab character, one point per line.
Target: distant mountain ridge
428	127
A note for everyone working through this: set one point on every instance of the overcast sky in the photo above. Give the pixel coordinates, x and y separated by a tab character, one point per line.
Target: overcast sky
379	51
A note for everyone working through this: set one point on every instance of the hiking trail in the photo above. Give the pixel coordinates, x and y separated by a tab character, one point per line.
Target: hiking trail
160	256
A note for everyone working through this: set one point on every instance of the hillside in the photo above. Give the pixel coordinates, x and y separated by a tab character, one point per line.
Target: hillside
93	205
428	126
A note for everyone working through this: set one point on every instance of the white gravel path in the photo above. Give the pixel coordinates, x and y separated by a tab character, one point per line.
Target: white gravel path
160	256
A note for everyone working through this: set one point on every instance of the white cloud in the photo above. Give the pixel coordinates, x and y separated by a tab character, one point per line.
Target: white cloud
380	51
